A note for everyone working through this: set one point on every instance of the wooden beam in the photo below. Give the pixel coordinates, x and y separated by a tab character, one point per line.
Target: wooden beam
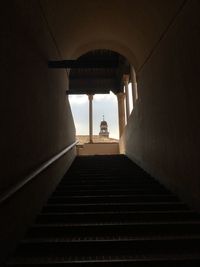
93	84
80	91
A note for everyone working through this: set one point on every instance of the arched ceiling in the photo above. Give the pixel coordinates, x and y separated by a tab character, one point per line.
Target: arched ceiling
130	27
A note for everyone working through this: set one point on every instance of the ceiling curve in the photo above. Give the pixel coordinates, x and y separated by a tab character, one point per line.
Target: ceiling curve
136	25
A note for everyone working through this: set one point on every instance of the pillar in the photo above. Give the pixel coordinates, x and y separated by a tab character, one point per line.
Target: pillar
126	80
121	112
134	86
90	97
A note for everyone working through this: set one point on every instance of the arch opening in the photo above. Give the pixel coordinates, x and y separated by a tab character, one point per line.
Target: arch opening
103	80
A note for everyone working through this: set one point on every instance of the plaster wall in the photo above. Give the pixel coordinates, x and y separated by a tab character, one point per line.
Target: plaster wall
130	27
162	134
99	149
36	119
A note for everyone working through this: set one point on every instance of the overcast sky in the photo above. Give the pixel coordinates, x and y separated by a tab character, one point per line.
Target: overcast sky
102	105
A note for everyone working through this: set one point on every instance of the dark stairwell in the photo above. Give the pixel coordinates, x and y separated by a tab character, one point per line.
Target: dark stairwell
109	212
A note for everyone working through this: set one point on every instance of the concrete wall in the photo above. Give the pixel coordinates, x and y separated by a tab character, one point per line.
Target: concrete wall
98	149
163	132
36	120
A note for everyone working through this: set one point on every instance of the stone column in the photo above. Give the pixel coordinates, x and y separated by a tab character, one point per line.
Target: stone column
126	80
121	112
90	97
134	85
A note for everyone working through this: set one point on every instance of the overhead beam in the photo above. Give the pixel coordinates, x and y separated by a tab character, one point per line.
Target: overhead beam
68	64
93	84
80	91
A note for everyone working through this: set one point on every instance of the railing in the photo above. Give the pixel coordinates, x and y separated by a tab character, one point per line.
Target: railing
33	174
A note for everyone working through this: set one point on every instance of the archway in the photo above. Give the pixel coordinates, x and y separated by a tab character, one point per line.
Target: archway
103	71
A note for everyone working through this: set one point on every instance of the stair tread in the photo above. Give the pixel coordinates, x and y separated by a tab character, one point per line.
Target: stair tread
95	259
117	204
118	212
116	223
190	222
113	196
110	239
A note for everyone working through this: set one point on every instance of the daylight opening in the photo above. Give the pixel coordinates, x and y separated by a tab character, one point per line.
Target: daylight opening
101	97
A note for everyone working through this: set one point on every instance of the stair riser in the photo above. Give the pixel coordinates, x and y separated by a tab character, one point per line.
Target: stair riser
136	230
111	187
65	191
142	263
98	248
115	217
108	181
115	199
113	208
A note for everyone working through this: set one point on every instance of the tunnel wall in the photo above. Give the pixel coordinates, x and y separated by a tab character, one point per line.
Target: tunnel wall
163	130
36	119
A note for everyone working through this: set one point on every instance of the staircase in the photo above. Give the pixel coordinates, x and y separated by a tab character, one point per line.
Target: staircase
108	212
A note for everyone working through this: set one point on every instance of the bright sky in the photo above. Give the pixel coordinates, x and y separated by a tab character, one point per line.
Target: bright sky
105	104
